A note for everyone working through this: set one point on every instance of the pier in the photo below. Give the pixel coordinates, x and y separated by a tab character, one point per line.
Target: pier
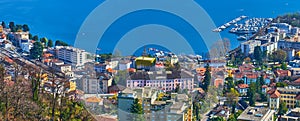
228	24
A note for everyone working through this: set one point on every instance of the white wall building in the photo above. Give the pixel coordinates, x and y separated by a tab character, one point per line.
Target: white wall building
70	55
166	81
248	47
269	47
124	65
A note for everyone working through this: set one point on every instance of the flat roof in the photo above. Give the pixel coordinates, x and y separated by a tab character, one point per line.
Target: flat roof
255	114
145	59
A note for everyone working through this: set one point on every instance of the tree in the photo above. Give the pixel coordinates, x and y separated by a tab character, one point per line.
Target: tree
60	43
283	66
12	27
177	89
120	77
247	60
233	98
217	119
36	51
19	28
50	43
35	38
281	84
282	108
3	24
207	78
44	40
258	55
251	94
196	108
25	28
137	111
279	56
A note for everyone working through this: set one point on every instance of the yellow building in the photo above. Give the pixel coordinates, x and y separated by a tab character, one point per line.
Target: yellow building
72	86
144	63
288	95
1	29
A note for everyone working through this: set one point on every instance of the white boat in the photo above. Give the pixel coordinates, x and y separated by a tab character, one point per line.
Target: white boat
223	27
217	30
242	38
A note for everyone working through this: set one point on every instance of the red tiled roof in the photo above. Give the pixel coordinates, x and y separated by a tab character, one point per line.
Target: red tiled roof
246	67
271	91
297	81
242	86
297	97
264	86
276	94
282	73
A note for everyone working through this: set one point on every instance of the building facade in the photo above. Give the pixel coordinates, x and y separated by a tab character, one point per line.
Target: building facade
70	55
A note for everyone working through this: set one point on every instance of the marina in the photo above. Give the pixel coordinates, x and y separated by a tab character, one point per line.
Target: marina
228	24
250	26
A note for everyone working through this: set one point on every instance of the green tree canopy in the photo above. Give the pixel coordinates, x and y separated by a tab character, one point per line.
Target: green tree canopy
37	50
281	84
35	38
279	56
282	108
137	111
251	94
258	54
60	43
25	28
3	24
50	43
44	40
207	78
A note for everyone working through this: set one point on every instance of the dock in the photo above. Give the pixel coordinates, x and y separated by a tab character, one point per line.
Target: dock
228	24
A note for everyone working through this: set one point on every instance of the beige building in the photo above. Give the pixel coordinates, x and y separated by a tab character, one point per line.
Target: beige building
257	114
289	95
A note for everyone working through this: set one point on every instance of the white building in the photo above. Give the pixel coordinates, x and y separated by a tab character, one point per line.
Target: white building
25	45
124	65
248	47
167	81
269	47
70	55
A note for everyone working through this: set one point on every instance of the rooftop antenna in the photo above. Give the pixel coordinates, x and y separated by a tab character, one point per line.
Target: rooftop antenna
145	52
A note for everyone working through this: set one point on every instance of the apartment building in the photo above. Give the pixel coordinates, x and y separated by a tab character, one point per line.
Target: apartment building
70	55
164	80
290	95
248	47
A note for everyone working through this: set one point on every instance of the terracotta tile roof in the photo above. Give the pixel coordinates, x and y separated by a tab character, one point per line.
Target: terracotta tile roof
131	70
110	70
282	73
271	91
276	94
93	100
7	59
246	67
297	97
200	71
106	118
294	83
115	88
249	75
297	81
242	86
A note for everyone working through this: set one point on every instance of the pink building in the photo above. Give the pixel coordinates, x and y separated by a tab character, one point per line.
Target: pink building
165	80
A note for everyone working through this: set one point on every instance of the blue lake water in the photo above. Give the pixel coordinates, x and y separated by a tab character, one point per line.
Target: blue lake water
61	19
